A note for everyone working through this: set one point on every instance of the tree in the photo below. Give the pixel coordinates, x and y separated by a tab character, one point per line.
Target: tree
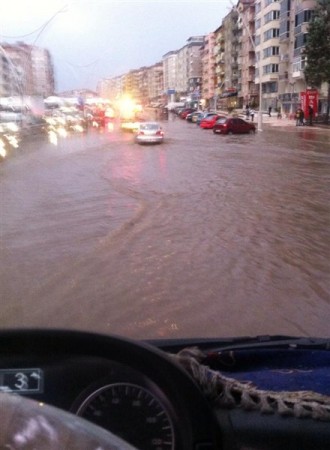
317	50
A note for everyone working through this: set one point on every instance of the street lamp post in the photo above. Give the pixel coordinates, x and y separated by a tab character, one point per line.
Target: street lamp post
292	84
260	98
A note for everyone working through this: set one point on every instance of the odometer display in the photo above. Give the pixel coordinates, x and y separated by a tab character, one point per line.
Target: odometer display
131	412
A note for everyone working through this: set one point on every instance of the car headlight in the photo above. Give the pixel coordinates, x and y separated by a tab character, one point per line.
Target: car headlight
12	127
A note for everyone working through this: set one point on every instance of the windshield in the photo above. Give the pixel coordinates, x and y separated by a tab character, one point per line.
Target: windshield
149	126
197	233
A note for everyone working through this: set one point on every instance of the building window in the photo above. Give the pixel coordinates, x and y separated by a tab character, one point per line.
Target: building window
257	7
285	28
269	88
285	6
299	65
300	40
270	68
271	51
258	24
269	2
272	15
257	40
304	16
272	33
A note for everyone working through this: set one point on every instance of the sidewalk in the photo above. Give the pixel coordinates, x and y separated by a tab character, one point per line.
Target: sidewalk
274	121
266	120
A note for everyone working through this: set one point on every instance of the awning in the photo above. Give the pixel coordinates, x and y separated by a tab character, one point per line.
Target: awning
229	94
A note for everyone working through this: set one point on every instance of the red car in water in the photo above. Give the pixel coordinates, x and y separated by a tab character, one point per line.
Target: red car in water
185	112
209	121
230	125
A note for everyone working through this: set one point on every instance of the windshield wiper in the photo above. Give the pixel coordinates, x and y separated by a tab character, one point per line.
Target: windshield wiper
270	342
212	346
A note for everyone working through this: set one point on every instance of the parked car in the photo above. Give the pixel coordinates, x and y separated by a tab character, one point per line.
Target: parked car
232	125
189	116
209	121
185	112
178	110
193	116
149	133
204	116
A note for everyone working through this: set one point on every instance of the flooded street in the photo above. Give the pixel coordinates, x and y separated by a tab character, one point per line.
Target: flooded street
204	235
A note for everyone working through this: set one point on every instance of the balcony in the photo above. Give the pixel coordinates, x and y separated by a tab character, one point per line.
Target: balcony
285	58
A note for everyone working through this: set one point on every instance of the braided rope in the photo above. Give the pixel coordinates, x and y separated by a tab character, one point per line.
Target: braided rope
230	393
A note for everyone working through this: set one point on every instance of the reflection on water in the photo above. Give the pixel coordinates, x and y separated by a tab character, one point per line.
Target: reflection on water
202	235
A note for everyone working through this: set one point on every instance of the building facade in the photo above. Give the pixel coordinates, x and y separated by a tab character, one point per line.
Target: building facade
5	76
255	57
267	30
42	72
208	71
248	90
170	75
31	70
155	83
294	18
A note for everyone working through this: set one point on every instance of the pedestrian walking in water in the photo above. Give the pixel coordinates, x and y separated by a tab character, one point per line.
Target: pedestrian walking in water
247	112
269	111
298	117
252	114
301	117
310	114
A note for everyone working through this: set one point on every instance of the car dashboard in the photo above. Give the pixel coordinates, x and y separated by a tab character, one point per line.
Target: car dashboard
145	393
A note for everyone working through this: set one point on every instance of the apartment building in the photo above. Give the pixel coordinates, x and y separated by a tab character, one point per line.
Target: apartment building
254	57
247	89
19	60
194	67
294	18
182	69
31	69
231	50
281	29
170	72
155	83
5	77
42	72
208	70
219	63
111	88
267	31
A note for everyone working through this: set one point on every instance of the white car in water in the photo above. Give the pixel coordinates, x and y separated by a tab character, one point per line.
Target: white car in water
149	133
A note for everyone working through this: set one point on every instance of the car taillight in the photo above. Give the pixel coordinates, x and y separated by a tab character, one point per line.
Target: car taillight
159	133
141	132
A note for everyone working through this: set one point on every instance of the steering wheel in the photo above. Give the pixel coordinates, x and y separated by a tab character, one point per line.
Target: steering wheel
27	424
22	418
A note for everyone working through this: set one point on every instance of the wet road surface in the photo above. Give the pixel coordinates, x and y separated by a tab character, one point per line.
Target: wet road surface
204	235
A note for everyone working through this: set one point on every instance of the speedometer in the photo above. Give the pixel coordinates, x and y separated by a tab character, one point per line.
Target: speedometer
131	412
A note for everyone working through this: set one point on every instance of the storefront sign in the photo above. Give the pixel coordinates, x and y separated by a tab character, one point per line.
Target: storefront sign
309	98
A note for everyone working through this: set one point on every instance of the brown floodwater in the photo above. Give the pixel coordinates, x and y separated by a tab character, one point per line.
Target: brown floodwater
204	235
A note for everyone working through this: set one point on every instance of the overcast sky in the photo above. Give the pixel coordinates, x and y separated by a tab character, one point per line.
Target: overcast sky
94	39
